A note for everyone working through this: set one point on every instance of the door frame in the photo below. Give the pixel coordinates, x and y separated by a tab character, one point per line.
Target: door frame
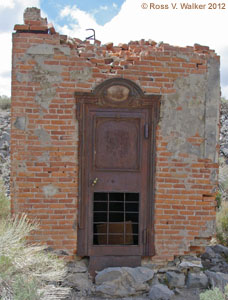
116	93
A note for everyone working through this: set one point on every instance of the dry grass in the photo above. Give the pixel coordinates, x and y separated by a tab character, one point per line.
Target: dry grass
223	179
24	269
4	203
222	224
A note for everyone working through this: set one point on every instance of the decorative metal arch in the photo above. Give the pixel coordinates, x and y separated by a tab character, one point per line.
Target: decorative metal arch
119	92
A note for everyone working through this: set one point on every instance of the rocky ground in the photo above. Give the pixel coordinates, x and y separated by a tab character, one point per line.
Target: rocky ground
223	159
5	149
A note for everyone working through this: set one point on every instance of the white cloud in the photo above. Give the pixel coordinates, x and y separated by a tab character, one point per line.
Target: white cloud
5	86
5	63
6	4
225	91
11	13
105	7
79	22
223	51
6	47
181	27
114	5
83	18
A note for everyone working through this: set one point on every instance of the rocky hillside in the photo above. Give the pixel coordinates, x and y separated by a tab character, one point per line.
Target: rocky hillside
224	131
223	159
5	149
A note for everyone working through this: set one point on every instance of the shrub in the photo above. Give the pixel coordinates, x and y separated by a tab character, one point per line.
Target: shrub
218	199
25	288
24	269
215	294
223	176
5	102
222	224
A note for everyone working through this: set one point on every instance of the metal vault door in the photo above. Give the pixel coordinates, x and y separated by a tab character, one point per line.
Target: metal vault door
116	160
117	180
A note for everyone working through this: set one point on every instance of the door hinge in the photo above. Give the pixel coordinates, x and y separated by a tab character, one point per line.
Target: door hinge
146	131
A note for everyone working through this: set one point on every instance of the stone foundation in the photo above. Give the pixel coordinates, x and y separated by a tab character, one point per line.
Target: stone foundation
184	278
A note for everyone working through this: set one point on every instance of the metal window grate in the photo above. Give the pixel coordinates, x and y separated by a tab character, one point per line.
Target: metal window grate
115	218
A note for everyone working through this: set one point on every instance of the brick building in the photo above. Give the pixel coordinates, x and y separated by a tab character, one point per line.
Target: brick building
114	148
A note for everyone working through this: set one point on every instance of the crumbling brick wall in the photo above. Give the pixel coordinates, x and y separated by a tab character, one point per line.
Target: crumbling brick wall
47	69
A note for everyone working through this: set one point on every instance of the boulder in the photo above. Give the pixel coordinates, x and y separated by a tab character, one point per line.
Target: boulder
160	292
80	266
188	294
175	279
220	249
215	258
197	280
79	282
123	282
217	279
208	254
107	275
190	263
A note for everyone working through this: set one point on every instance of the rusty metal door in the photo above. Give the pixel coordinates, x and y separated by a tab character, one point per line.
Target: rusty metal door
117	148
116	158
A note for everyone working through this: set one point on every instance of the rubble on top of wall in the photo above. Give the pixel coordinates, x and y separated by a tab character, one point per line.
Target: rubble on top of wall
132	51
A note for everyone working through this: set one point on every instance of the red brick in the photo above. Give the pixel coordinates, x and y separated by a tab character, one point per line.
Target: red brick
38	28
21	27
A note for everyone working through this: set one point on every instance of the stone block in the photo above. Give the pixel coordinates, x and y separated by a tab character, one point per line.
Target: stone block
197	280
175	279
160	292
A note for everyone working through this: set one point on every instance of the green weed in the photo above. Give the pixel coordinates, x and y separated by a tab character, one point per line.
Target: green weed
222	224
5	102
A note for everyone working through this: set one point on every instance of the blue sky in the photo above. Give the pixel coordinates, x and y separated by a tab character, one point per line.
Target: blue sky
121	21
102	10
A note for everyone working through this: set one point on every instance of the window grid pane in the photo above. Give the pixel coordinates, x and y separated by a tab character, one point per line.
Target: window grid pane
115	218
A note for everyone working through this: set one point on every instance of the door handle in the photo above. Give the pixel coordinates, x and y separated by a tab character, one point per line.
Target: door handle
94	182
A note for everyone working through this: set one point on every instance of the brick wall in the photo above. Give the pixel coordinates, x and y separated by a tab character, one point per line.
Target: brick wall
48	68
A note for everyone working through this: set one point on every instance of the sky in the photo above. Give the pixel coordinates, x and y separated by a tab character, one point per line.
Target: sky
121	21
